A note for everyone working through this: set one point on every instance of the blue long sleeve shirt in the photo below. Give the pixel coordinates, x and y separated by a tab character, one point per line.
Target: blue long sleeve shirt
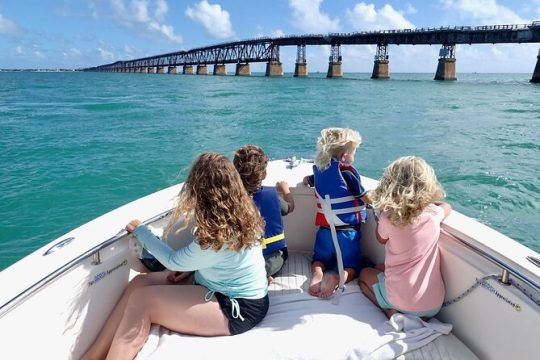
234	274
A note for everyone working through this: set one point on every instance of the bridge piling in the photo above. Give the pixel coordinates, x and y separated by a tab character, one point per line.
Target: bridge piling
202	69
446	68
220	70
380	64
171	70
187	70
274	68
151	70
536	74
242	69
300	68
334	62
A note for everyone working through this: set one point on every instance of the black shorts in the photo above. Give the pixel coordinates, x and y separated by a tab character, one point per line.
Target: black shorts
252	310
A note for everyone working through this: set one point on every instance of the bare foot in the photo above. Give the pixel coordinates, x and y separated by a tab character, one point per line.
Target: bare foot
329	284
315	284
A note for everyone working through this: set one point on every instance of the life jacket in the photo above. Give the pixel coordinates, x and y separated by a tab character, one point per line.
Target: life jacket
346	209
267	200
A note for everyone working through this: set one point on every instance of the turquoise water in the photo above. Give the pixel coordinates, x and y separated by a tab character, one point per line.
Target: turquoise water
76	145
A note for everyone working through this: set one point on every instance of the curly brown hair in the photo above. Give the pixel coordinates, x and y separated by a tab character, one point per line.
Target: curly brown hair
251	161
214	199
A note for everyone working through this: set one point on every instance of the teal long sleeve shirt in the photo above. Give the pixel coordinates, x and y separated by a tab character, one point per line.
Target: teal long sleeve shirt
235	274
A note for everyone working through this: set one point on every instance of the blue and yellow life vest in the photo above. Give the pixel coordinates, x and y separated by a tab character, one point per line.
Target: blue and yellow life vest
346	209
267	200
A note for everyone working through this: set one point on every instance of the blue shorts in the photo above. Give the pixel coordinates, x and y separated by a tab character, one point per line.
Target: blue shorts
379	289
349	243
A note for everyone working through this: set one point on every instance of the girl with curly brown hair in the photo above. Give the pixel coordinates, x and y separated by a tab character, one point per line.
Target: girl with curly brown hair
226	295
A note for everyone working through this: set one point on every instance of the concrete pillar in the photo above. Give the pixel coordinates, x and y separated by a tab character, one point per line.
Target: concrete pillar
380	70
188	70
334	70
160	70
446	69
220	69
202	69
171	70
536	74
300	68
274	68
380	64
151	70
243	69
334	62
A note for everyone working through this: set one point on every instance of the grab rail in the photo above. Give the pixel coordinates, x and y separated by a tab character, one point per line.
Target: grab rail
506	269
7	306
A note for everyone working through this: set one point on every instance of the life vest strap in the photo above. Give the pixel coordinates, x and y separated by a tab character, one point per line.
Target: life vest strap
336	200
344	211
272	239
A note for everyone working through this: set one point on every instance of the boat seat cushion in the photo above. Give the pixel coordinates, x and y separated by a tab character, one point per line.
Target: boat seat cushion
299	326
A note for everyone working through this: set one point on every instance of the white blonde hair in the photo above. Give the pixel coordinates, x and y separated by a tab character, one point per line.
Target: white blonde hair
333	142
408	185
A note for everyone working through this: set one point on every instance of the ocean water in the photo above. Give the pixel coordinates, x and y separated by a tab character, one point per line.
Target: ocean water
76	145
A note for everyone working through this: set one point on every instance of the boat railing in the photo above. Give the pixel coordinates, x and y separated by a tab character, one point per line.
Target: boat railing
93	252
506	270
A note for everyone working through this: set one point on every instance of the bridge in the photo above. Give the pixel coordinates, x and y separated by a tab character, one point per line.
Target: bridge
266	49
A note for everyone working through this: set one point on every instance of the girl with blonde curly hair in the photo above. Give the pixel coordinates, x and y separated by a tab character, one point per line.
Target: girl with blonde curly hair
410	279
227	292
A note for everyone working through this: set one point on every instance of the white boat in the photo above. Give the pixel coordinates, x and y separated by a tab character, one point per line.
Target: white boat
54	301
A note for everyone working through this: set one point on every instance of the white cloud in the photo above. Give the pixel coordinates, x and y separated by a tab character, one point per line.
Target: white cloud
307	16
366	17
483	12
215	20
138	13
7	26
105	54
39	54
19	50
161	10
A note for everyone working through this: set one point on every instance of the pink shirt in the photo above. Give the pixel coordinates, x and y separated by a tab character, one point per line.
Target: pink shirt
412	262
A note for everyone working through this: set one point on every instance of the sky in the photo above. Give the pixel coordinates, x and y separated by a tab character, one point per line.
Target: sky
76	34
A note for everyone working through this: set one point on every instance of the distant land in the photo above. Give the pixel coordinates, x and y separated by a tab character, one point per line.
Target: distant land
38	70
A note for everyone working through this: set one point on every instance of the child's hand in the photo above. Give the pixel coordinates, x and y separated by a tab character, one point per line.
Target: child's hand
283	187
176	276
132	225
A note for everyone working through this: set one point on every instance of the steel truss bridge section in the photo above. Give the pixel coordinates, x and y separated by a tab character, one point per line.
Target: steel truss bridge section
266	49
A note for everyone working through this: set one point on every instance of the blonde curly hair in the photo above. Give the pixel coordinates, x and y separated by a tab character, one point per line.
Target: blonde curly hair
214	199
408	185
251	162
333	142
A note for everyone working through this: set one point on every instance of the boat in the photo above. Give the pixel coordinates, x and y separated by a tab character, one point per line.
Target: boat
54	301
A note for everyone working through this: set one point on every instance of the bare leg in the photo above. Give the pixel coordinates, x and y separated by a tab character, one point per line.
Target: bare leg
366	280
331	281
317	273
178	308
101	345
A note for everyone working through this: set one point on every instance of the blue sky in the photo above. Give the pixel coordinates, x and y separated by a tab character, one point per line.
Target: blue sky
84	33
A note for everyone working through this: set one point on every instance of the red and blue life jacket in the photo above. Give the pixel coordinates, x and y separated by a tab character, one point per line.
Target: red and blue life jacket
267	200
346	209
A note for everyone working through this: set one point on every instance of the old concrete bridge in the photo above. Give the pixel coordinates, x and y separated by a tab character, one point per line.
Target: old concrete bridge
266	49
